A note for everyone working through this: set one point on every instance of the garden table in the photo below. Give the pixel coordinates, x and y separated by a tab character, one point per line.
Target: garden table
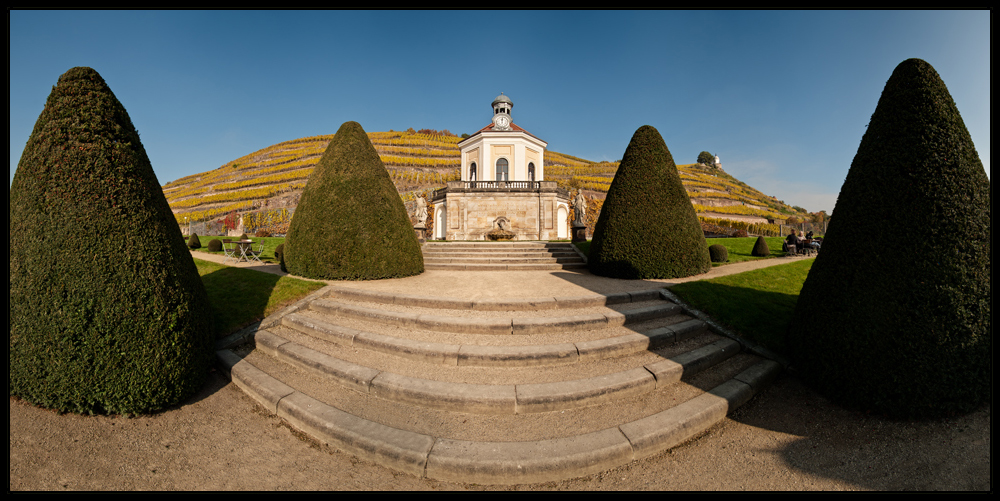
244	246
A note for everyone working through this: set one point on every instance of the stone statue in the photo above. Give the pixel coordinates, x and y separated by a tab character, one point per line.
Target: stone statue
580	207
421	211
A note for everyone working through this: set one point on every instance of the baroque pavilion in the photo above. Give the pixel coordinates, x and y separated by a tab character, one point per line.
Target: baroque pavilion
502	187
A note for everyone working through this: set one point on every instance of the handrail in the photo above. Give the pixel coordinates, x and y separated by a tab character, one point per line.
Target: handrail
505	185
498	186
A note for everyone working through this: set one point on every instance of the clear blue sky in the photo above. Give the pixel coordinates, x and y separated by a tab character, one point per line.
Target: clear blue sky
783	97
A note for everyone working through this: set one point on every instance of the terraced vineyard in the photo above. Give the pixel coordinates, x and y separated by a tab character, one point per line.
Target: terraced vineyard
265	185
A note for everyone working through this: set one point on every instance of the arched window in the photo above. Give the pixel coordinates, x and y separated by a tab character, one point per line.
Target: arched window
531	171
472	172
502	170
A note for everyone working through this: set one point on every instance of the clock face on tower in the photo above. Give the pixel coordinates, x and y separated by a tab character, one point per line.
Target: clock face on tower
502	121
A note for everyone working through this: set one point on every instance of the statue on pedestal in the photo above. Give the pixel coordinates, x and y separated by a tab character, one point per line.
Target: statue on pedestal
580	207
421	212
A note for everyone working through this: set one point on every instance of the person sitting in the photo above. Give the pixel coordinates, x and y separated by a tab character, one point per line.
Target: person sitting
814	243
792	243
802	245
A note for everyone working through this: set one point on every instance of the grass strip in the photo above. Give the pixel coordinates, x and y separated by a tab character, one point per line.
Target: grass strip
241	296
757	304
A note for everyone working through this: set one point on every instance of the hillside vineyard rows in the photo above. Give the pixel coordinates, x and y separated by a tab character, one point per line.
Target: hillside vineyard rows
419	163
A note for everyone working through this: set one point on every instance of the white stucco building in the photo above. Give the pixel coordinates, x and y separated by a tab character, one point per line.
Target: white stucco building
502	186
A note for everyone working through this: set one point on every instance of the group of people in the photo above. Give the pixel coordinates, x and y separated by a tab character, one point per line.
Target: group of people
801	241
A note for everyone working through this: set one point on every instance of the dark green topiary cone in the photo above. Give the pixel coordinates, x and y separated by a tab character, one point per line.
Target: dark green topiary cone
107	311
350	223
895	315
760	248
648	227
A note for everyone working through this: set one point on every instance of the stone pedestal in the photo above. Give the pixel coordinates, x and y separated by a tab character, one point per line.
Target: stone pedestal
579	233
421	232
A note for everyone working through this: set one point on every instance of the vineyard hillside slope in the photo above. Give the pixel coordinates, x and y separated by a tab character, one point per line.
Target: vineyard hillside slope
265	186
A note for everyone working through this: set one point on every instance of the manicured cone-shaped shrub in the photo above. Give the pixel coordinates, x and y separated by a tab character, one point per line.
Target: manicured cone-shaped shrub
107	311
648	227
350	223
760	248
194	242
895	314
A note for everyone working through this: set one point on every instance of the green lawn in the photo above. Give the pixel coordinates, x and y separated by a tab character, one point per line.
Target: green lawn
756	304
242	296
739	248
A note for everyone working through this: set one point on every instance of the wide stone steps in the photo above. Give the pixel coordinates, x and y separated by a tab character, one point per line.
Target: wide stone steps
486	355
500	256
555	393
497	398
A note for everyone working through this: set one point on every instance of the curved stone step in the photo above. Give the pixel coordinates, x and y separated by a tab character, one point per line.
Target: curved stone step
492	356
527	304
498	398
493	325
497	462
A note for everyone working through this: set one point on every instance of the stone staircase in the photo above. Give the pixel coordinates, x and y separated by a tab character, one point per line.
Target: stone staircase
501	256
495	392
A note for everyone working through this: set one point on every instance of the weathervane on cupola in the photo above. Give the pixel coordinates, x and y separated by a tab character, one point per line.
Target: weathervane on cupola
501	112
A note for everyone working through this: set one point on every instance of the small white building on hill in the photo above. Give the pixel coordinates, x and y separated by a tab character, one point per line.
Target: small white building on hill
502	187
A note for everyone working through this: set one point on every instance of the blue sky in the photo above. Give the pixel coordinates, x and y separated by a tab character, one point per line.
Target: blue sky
783	97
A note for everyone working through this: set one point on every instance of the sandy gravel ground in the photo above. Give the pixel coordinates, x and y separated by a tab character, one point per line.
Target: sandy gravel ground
787	438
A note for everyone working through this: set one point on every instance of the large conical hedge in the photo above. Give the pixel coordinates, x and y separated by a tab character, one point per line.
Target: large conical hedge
107	311
895	315
350	223
648	227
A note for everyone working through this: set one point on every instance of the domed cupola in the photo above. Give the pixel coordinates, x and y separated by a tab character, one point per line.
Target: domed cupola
501	112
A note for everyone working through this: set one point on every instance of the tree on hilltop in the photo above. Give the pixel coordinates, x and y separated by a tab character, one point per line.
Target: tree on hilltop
648	227
350	223
706	158
898	302
107	311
